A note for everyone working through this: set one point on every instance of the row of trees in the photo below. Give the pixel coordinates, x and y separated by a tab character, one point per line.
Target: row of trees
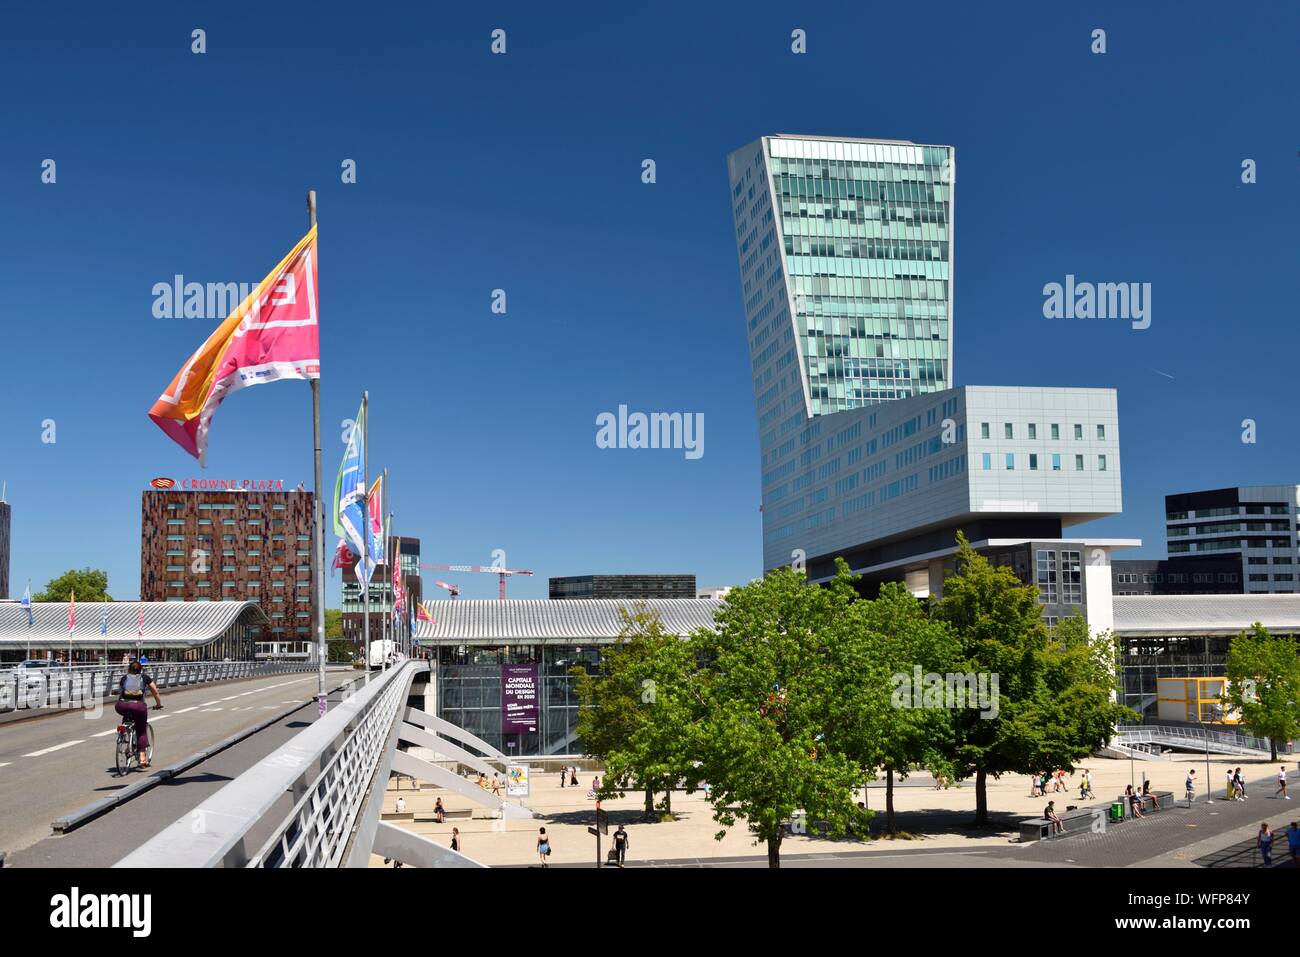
801	695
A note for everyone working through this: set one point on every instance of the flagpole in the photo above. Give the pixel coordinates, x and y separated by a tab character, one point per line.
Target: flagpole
29	619
365	524
318	511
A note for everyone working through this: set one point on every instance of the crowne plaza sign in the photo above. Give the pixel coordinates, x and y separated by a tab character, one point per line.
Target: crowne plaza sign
220	485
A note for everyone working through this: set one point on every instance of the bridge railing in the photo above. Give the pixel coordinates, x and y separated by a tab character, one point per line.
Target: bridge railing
80	685
300	805
1197	736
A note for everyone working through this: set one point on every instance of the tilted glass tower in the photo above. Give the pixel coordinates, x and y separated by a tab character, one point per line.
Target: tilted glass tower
868	451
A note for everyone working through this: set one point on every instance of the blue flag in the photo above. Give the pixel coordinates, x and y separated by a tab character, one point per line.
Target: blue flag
27	603
350	489
103	621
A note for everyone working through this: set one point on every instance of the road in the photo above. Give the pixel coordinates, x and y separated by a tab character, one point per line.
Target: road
54	765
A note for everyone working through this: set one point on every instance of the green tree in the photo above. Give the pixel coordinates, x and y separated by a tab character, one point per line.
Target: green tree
1053	695
635	716
769	688
902	644
1263	675
89	585
333	623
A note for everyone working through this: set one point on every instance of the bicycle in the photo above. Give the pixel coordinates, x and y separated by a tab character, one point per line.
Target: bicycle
127	749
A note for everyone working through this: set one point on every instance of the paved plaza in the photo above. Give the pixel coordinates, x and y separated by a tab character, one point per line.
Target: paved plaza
935	824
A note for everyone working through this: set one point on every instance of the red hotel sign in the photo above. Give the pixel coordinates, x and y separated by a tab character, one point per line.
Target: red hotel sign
222	485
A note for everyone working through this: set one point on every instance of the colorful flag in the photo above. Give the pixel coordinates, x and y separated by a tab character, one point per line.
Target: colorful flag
103	620
378	544
27	603
350	489
422	613
343	557
72	610
273	334
139	624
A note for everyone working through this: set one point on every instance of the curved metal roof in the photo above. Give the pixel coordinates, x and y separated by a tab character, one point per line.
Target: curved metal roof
172	623
1137	615
535	619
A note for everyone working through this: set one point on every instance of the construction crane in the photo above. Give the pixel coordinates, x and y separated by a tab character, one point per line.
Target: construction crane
501	573
454	589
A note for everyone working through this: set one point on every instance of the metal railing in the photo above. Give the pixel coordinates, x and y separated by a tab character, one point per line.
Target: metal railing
1192	737
80	685
328	771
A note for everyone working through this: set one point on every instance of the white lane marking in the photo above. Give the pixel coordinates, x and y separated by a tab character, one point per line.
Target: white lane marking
213	709
229	698
183	710
4	764
104	734
161	717
57	747
268	707
207	703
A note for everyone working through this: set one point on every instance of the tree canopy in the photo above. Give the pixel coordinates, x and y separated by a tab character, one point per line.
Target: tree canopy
89	584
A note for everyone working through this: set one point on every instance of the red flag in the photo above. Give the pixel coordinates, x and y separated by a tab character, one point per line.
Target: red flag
72	610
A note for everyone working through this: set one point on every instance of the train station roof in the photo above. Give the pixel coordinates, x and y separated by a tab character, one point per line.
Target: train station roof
166	623
524	620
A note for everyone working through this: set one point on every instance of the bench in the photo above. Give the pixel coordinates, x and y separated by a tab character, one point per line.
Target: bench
1166	799
1078	821
458	814
398	816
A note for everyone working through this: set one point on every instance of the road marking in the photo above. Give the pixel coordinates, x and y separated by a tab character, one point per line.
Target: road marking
229	698
206	703
214	709
161	717
183	710
57	747
268	707
104	734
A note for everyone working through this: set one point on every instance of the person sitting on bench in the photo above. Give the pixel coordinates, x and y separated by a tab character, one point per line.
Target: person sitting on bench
1147	792
1134	800
1049	814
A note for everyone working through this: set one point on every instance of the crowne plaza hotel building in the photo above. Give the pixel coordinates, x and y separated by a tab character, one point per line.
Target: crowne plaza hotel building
207	545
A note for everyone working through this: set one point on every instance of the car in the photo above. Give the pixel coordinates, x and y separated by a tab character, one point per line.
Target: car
30	675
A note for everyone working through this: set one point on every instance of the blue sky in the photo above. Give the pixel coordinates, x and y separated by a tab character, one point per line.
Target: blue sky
522	172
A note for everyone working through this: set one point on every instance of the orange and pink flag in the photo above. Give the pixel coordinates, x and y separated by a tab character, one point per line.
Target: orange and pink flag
273	334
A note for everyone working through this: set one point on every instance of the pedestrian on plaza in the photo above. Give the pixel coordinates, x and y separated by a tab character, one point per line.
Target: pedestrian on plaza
1281	782
1293	842
1034	783
1147	792
496	784
1190	786
1085	785
595	784
573	776
620	844
455	839
439	812
1232	787
1265	842
543	846
564	775
400	807
1049	814
1060	782
1239	785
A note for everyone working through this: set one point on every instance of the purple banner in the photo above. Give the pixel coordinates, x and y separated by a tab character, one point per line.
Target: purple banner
518	698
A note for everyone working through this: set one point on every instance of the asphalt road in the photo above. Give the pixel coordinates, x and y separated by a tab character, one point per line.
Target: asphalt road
54	765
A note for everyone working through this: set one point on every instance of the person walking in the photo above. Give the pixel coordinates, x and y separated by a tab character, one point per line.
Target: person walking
573	776
620	844
1281	783
439	812
1239	785
455	839
1265	842
1231	792
564	775
1190	786
543	846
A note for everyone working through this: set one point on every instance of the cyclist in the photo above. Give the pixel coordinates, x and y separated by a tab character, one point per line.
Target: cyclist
130	703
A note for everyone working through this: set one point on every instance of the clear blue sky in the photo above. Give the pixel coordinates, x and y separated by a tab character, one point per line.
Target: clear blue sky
522	172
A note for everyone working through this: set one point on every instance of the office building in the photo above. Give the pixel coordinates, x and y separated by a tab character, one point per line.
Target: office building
1252	529
1176	576
623	586
868	452
234	544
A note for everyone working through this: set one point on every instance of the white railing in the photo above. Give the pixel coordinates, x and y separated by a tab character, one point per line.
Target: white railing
328	769
80	685
1193	737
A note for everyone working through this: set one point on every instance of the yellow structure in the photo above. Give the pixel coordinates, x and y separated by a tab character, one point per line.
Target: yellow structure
1194	699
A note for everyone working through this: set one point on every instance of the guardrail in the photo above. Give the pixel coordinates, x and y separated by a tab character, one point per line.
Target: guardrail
1234	741
77	686
327	771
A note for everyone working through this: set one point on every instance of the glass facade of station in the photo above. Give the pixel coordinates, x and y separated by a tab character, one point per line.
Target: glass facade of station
469	693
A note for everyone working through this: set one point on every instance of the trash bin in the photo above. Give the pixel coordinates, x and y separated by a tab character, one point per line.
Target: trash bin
1117	811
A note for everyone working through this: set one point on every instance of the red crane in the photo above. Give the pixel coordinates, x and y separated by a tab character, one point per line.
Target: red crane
484	569
454	589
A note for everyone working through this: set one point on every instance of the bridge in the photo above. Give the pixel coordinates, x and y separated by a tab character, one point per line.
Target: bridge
293	790
1148	742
